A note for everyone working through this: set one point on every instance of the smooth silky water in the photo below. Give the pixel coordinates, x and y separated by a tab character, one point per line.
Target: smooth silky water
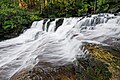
57	42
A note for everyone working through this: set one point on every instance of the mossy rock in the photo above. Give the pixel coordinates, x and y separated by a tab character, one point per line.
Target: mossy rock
45	71
102	63
92	69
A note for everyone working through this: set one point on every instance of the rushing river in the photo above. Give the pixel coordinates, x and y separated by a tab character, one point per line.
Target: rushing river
57	41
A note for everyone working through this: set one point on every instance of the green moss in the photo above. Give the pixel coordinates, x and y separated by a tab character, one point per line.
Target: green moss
105	56
92	69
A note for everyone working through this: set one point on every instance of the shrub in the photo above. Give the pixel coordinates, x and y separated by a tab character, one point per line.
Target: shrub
13	19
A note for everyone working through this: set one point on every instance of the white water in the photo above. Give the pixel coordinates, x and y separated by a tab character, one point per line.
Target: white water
59	46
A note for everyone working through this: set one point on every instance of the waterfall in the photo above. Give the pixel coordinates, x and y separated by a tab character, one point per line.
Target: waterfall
57	41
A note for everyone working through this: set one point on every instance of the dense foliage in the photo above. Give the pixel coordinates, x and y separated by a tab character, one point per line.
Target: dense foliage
67	8
13	19
17	15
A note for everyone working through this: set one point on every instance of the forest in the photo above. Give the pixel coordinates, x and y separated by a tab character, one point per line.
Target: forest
18	15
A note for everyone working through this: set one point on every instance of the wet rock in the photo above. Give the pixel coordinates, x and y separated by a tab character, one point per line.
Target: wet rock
46	71
102	64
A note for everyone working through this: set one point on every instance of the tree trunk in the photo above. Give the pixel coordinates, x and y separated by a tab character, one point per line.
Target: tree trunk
95	6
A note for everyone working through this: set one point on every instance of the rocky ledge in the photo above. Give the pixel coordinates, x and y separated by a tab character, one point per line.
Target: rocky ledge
102	63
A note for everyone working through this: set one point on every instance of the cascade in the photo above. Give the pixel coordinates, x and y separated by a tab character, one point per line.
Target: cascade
57	41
